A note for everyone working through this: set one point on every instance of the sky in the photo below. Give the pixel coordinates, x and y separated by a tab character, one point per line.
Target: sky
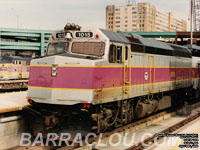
54	14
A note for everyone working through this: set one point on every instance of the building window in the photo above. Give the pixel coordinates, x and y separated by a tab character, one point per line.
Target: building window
117	18
117	22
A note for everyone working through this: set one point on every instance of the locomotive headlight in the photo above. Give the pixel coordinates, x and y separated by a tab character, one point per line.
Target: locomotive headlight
54	70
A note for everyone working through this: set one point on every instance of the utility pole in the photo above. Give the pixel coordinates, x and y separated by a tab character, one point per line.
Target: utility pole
191	23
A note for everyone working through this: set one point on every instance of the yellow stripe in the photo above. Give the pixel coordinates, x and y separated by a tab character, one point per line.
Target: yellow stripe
5	65
195	78
129	71
4	73
40	65
8	65
105	66
124	92
9	73
105	88
60	88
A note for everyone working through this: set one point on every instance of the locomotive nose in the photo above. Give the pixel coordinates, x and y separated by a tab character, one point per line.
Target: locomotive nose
59	79
40	78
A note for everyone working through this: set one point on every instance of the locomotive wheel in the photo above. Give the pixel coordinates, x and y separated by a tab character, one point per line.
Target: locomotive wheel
112	115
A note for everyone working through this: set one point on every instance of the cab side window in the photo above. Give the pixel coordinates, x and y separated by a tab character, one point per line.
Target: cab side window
112	54
115	54
126	56
119	54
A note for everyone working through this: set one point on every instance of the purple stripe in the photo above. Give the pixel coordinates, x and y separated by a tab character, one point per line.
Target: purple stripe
96	78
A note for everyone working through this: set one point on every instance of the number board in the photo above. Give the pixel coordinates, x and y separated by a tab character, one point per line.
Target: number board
60	35
84	34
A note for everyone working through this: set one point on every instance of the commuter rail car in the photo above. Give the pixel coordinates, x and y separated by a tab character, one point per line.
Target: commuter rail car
97	79
14	72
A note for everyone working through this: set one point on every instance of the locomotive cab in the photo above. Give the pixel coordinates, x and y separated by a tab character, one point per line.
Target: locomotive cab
66	75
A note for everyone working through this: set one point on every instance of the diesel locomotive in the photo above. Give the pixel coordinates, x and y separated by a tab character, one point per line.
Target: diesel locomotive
95	80
14	72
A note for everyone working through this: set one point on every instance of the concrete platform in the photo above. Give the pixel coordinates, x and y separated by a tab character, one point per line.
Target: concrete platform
10	133
12	124
12	101
175	143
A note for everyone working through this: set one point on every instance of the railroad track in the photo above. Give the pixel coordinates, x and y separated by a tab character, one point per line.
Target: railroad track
141	124
12	90
135	126
132	127
150	141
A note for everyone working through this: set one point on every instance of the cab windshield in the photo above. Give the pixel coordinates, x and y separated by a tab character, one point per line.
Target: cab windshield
57	48
89	48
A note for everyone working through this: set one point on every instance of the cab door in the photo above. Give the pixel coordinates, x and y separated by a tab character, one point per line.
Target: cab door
179	74
151	73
